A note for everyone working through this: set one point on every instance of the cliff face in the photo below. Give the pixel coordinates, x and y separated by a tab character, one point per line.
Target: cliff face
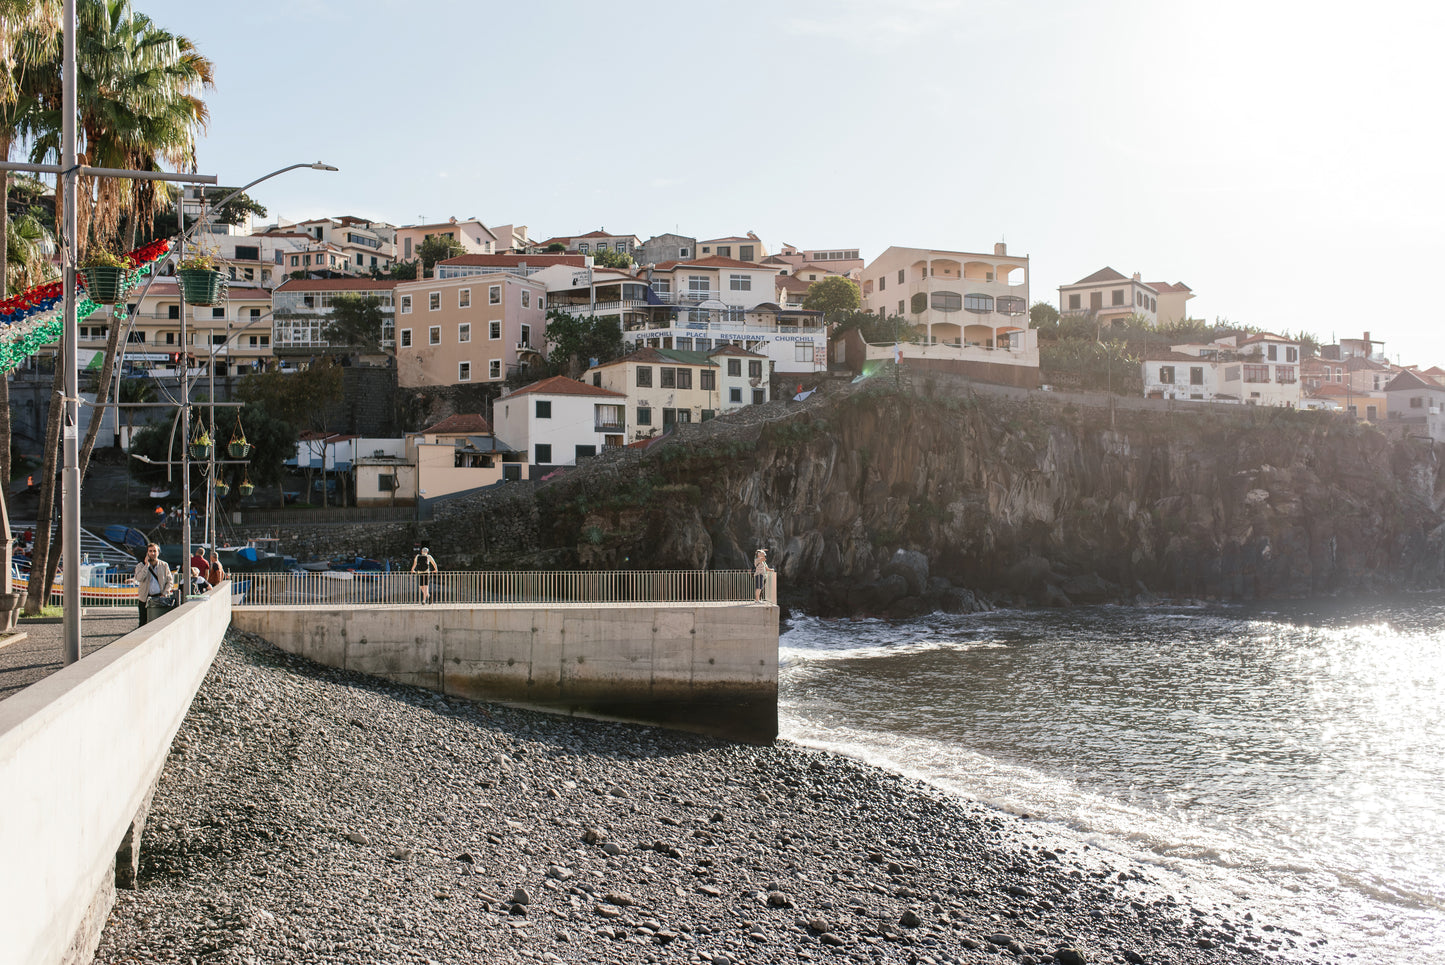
870	501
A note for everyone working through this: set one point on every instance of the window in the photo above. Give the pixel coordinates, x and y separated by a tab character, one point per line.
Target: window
136	337
1256	373
755	368
644	376
584	452
464	371
464	298
882	283
434	335
1284	373
494	295
1118	296
526	298
406	338
668	377
735	395
1273	353
294	260
526	336
745	252
1074	303
1166	374
644	415
494	369
464	332
434	301
406	304
684	415
953	301
1196	375
601	246
724	251
173	311
802	352
707	380
699	283
900	276
1096	300
494	330
218	312
740	283
584	248
544	408
1291	354
1417	402
265	340
218	339
735	368
918	303
684	378
544	454
758	396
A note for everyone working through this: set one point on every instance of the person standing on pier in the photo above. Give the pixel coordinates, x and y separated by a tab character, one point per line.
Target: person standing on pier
760	574
424	566
152	579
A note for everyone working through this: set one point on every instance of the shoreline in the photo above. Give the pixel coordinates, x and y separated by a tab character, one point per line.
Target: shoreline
311	814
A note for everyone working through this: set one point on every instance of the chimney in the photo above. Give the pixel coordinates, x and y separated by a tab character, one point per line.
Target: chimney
1000	248
1367	341
1136	276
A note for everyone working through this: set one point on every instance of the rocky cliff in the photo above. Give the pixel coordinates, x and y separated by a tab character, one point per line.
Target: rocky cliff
880	499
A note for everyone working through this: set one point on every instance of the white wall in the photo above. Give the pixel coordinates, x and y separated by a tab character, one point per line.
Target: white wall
79	752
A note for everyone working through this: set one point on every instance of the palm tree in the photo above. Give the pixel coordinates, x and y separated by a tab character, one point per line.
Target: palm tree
138	89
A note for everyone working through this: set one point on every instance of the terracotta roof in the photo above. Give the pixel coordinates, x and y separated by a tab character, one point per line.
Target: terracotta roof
1264	337
774	260
337	284
712	261
1412	380
516	261
461	424
1163	286
792	283
561	385
731	349
1103	274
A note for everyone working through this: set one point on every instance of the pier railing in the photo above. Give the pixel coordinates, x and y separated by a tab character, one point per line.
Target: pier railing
565	587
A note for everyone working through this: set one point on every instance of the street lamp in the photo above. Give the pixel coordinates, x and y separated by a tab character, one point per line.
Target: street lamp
185	369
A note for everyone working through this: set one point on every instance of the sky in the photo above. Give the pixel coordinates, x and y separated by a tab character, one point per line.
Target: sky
1281	159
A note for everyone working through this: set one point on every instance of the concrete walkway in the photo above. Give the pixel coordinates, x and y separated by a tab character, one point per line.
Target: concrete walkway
41	652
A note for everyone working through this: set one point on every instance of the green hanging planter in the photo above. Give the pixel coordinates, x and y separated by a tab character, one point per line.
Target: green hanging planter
246	488
239	448
222	489
105	284
200	286
200	450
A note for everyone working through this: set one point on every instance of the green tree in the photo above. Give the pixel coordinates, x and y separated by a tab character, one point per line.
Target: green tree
555	248
607	258
834	296
397	271
304	399
877	329
573	341
356	321
1044	317
435	248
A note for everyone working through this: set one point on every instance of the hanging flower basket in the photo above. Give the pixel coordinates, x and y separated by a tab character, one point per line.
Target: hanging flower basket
239	448
201	446
200	286
223	489
246	487
105	284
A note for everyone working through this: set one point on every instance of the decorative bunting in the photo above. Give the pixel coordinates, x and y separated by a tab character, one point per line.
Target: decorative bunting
31	320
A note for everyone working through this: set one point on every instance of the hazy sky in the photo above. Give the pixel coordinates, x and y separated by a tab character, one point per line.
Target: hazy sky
1279	158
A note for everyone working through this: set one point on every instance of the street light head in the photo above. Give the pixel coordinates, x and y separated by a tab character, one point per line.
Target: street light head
319	166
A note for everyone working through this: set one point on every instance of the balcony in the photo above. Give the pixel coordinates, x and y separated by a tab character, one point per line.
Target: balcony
608	427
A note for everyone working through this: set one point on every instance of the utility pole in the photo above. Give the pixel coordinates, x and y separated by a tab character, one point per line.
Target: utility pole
70	418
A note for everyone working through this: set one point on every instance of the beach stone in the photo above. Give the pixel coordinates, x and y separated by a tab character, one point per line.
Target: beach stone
910	919
356	837
520	897
620	898
1133	957
776	899
1070	956
594	835
828	938
612	848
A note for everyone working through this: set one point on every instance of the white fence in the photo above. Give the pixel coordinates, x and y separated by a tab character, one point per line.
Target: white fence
578	587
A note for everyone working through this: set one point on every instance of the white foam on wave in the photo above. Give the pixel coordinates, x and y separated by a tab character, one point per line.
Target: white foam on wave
1206	862
794	656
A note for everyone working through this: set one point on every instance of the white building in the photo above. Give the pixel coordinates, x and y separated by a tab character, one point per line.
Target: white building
559	421
1261	369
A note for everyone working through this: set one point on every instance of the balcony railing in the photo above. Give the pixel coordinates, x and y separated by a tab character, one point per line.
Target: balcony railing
608	427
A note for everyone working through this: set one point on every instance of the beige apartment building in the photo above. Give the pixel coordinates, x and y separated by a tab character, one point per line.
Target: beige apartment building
474	328
1171	305
747	247
839	261
475	237
236	334
957	297
664	387
595	241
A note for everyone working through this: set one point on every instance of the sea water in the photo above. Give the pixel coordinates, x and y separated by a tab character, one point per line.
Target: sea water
1286	760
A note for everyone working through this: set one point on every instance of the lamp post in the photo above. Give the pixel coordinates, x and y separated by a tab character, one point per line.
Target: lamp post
185	368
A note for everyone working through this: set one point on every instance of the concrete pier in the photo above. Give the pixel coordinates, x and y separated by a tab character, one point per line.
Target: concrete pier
705	667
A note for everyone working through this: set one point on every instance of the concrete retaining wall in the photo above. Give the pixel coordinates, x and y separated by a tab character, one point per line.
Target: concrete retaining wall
80	753
711	668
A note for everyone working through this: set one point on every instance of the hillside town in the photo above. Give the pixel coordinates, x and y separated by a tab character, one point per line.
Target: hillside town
698	328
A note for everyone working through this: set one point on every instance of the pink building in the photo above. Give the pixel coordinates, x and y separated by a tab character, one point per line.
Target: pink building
472	328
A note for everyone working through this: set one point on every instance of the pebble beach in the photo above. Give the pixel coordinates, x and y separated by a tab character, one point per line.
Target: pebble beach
313	815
